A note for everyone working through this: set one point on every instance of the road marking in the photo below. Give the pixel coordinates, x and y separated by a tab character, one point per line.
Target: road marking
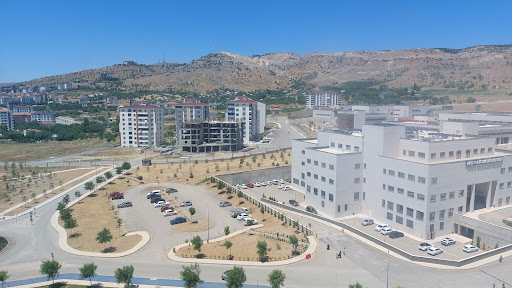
502	281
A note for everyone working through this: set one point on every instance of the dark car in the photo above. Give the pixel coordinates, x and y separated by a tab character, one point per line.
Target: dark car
125	204
118	196
395	234
156	199
311	209
171	190
178	220
293	202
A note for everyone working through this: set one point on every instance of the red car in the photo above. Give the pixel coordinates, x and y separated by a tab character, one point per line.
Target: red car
166	207
250	185
115	193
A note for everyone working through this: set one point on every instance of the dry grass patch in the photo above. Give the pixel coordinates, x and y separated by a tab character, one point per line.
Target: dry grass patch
94	213
201	225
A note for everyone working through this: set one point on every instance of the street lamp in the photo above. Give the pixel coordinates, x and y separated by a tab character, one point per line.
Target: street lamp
387	273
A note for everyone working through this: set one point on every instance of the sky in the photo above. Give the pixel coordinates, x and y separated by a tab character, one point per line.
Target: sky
45	38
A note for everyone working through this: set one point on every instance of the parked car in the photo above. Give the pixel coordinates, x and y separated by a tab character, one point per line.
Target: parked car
248	220
380	227
186	203
425	246
242	216
275	181
236	212
244	209
280	186
225	275
224	204
154	193
311	209
115	193
385	230
118	196
166	207
367	221
395	234
178	220
269	183
257	184
263	183
280	181
171	190
286	187
447	241
169	212
293	202
250	185
469	248
243	186
161	204
156	199
125	204
434	251
288	180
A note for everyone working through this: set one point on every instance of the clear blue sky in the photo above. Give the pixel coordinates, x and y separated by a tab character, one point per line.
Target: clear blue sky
44	38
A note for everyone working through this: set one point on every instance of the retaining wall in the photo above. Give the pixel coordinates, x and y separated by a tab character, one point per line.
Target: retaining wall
284	172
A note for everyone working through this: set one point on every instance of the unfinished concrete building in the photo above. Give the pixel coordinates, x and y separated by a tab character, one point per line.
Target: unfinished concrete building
211	136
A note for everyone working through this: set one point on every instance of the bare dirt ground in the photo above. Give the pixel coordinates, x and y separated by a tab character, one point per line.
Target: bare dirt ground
201	225
10	151
93	214
115	154
21	184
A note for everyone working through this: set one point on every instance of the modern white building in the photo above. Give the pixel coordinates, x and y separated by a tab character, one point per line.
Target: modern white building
323	99
6	119
415	182
249	112
141	126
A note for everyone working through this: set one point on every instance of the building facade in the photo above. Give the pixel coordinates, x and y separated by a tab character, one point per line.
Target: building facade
42	117
6	119
251	114
190	112
141	126
323	99
211	136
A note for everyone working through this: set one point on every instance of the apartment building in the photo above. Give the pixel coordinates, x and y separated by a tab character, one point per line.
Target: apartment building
42	117
415	182
190	112
23	109
211	136
317	99
6	119
251	114
141	126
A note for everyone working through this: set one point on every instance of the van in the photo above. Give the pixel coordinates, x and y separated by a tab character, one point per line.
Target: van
311	209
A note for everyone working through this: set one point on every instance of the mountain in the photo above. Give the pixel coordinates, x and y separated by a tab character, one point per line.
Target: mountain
473	68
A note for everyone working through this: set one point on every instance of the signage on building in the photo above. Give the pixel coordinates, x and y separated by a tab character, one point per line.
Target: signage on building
484	161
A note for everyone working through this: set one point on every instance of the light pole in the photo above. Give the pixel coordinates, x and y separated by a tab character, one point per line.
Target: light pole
208	214
387	273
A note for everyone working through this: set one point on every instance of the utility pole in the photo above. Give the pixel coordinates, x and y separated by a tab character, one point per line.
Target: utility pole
387	273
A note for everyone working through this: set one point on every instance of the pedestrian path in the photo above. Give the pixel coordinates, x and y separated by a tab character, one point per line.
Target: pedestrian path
110	281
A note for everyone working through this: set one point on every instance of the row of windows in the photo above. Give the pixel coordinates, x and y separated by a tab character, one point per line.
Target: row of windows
421	197
331	166
315	176
347	147
409	212
504	169
509	185
457	154
331	196
410	223
410	177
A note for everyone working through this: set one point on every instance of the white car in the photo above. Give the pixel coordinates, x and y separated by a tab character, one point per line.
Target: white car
242	216
434	251
367	222
246	221
244	209
286	188
257	184
469	248
380	227
243	186
280	181
269	183
169	212
280	186
447	241
263	183
385	230
425	246
160	204
275	182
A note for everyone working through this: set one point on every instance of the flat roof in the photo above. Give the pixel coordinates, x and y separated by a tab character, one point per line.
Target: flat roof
335	151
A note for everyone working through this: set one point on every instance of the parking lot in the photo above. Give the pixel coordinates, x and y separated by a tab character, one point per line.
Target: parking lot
278	194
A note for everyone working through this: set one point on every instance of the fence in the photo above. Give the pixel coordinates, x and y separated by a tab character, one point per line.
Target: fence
276	237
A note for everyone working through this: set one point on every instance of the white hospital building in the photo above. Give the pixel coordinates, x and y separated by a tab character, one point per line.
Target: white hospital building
414	181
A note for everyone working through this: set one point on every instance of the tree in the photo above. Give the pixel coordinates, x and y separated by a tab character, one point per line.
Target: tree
119	222
357	285
262	250
226	230
119	170
192	211
228	245
100	179
61	206
70	223
50	268
126	166
89	186
294	241
236	277
190	275
262	210
78	194
88	271
3	276
66	199
108	175
276	278
124	275
197	242
471	100
65	214
104	236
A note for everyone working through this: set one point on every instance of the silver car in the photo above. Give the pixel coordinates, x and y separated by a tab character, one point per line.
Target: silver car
224	204
186	203
367	222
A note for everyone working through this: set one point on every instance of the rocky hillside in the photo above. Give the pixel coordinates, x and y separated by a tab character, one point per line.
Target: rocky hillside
474	68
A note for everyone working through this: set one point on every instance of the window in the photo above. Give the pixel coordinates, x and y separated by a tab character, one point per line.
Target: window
420	197
331	197
410	212
459	154
433	155
346	207
409	223
461	193
399	219
309	161
384	171
302	183
303	152
502	185
399	209
295	181
322	203
391	173
450	154
401	175
500	202
332	144
502	170
419	215
450	213
356	148
303	163
303	176
441	226
383	203
452	195
482	150
507	200
410	194
411	177
322	194
364	195
442	154
340	146
441	214
421	180
489	150
331	167
391	188
460	209
443	196
357	166
400	190
389	216
308	188
364	165
357	180
315	163
309	174
509	169
432	198
475	151
383	186
339	208
315	191
412	153
421	155
433	180
356	196
468	153
432	216
347	147
331	181
323	179
324	165
315	176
